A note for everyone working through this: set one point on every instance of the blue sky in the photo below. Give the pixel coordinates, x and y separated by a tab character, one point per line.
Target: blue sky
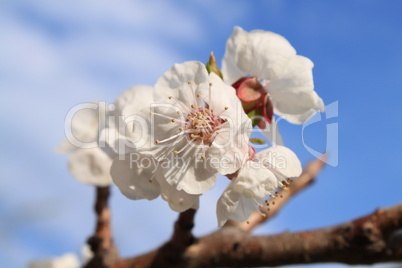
56	54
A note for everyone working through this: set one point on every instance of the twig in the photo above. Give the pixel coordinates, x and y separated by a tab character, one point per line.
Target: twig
101	243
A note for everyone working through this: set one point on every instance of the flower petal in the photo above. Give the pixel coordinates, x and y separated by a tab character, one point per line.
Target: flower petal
134	176
90	166
179	201
68	260
280	159
231	205
244	209
174	83
293	94
255	180
133	99
228	160
190	173
259	53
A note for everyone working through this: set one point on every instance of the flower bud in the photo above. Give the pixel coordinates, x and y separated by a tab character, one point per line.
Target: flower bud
212	67
255	100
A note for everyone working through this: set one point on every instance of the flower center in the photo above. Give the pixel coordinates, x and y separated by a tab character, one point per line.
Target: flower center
202	125
199	123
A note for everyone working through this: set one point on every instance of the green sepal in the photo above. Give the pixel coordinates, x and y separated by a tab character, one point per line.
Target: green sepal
212	67
257	141
255	116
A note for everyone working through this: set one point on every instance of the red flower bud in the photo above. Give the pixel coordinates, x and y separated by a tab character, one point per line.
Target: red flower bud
253	96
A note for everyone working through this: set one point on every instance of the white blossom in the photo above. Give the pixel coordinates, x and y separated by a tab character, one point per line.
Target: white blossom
257	179
138	176
87	165
286	77
197	121
68	260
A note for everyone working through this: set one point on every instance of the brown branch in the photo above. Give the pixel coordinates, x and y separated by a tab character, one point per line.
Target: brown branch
101	243
362	241
171	253
305	179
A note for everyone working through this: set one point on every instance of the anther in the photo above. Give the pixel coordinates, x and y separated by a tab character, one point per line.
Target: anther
170	97
176	152
198	95
180	128
202	156
178	112
210	84
226	108
189	82
192	106
248	222
156	141
173	120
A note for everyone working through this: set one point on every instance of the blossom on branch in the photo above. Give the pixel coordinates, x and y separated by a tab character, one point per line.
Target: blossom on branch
195	120
137	175
274	66
258	178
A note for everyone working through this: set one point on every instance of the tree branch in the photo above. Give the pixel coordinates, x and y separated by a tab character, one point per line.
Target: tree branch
362	241
171	253
101	243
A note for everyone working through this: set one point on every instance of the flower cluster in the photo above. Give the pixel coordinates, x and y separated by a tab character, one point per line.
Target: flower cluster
174	138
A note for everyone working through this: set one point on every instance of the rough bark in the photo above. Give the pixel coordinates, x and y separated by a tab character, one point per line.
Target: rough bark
366	240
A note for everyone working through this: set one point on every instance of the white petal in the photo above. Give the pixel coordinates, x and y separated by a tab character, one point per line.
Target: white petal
226	205
224	96
86	254
133	174
231	205
179	201
85	124
131	127
255	181
174	83
68	260
134	99
243	210
165	137
293	94
260	53
230	70
190	173
281	159
228	160
90	166
114	144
